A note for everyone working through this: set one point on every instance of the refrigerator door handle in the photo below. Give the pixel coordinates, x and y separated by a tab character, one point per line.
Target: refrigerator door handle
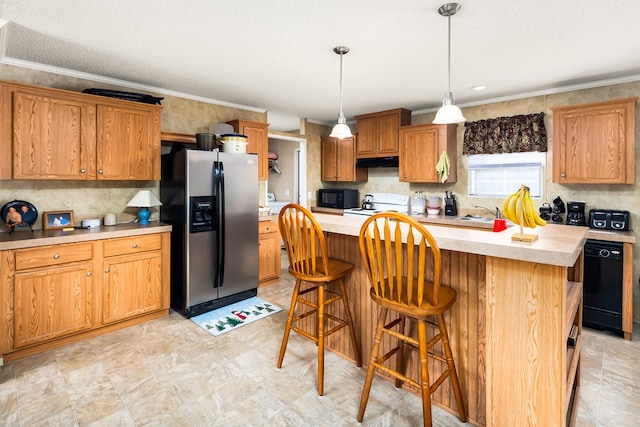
218	178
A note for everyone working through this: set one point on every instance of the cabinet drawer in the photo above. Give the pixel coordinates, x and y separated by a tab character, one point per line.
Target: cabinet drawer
267	227
52	255
131	245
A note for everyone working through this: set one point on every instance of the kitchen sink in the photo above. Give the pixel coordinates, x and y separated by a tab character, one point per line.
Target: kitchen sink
474	218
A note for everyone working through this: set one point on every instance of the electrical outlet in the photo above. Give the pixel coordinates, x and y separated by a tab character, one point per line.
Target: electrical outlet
287	192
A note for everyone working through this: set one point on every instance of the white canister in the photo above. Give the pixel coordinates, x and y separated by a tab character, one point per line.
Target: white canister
234	143
433	202
417	205
110	219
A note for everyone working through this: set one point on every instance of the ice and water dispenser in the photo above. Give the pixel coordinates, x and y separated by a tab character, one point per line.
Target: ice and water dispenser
202	214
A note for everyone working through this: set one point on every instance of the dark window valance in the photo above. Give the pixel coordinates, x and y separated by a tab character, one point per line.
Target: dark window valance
514	134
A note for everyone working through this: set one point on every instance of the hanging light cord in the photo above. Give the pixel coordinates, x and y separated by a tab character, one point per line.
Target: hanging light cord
341	53
449	55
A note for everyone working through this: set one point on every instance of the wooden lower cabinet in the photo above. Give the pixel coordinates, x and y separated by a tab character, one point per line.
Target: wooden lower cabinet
52	302
53	295
268	252
132	280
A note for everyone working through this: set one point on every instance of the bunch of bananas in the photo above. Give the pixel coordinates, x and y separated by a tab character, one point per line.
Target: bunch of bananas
518	202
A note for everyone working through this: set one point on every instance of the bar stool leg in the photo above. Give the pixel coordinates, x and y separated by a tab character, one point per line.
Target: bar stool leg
349	320
320	328
424	372
366	389
453	374
400	354
287	328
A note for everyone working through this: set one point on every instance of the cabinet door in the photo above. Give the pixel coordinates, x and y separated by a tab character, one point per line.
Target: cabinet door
388	125
419	154
595	143
329	159
128	143
132	285
52	302
258	137
269	257
53	137
420	149
367	137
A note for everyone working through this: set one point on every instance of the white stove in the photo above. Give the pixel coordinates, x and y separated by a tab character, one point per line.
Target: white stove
382	202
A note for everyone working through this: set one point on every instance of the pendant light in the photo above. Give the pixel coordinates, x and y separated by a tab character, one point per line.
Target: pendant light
341	130
449	112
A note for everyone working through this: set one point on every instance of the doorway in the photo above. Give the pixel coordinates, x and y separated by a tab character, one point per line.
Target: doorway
287	175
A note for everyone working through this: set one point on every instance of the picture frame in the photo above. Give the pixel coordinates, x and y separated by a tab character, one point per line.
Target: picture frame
56	220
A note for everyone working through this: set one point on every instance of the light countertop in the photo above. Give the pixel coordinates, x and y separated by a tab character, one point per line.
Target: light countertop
558	245
29	239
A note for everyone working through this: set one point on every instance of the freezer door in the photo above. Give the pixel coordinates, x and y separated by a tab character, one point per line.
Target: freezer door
238	225
200	245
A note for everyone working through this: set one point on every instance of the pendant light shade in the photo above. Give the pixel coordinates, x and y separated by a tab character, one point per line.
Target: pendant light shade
341	130
449	112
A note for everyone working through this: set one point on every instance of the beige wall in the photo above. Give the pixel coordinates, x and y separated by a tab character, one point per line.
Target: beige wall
94	199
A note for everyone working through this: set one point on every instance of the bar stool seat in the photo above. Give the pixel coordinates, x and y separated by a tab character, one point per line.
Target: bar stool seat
309	263
401	283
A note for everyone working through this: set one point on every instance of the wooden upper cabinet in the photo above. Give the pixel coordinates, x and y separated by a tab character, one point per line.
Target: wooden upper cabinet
128	143
378	132
64	135
53	137
258	137
594	143
339	160
420	149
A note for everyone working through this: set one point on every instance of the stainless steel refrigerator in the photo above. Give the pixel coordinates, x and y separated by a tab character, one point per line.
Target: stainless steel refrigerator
211	200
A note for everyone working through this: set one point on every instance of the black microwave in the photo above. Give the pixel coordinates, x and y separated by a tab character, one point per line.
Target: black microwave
338	198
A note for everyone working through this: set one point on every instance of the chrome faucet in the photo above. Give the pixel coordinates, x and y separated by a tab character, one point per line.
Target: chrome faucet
497	213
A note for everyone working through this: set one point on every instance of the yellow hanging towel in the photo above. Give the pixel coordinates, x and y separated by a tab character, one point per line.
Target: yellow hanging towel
442	167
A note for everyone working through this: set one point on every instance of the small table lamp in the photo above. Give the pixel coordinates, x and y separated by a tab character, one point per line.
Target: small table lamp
144	199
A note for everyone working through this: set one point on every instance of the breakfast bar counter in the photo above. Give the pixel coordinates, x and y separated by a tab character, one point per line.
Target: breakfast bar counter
517	305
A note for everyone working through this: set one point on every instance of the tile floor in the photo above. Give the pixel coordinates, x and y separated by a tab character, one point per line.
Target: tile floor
170	372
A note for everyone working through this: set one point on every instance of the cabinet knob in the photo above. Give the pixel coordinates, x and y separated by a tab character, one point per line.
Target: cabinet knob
56	256
88	273
100	171
564	175
135	245
106	270
83	170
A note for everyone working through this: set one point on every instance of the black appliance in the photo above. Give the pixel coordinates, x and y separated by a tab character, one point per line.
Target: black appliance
378	162
575	213
557	210
450	205
603	286
338	198
605	219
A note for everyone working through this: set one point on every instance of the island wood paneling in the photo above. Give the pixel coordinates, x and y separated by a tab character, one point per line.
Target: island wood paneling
465	323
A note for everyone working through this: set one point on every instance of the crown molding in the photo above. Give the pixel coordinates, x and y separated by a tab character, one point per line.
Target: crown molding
123	83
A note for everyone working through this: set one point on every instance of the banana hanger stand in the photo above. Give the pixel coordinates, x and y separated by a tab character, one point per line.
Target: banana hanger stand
521	237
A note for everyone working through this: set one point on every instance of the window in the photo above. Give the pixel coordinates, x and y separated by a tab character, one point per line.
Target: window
498	175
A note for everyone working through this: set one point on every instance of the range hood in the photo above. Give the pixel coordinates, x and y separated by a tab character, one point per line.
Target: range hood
378	162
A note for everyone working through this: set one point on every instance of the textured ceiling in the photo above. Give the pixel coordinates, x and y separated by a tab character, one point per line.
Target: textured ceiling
277	55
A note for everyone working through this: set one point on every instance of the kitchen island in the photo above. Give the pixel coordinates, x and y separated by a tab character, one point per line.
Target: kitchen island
517	303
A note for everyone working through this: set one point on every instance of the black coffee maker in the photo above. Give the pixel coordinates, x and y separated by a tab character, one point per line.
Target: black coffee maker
575	214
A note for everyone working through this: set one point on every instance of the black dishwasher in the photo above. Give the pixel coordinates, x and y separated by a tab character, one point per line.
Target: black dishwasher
602	286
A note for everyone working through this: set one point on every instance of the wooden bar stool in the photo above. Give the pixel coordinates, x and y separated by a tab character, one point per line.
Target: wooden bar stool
309	262
400	282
